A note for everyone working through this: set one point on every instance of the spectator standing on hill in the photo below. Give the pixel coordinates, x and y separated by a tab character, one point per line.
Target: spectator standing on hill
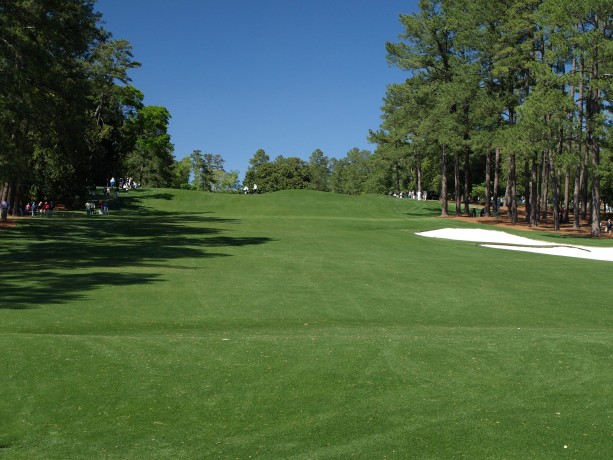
4	210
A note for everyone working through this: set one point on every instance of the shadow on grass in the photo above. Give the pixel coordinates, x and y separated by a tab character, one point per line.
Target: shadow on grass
423	212
56	260
161	196
560	236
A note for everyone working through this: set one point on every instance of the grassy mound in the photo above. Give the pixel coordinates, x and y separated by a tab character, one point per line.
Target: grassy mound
294	324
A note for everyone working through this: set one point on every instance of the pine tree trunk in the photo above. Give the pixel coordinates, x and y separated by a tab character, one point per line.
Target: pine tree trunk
397	170
444	202
555	191
545	185
570	149
496	179
595	216
507	197
527	191
595	202
566	194
577	200
456	174
593	106
488	181
534	214
513	189
467	183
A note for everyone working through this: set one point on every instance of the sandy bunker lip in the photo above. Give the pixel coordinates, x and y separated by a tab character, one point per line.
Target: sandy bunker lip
501	240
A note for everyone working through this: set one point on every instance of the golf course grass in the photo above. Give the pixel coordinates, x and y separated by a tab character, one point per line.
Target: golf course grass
298	325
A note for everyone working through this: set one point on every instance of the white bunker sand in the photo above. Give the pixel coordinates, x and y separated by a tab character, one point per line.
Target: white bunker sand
502	240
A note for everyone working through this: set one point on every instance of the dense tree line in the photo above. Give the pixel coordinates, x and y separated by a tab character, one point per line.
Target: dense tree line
360	171
511	98
69	118
206	172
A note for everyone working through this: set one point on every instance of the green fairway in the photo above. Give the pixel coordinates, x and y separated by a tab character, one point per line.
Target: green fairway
297	325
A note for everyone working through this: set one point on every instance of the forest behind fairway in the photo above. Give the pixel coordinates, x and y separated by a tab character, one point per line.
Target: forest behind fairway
295	325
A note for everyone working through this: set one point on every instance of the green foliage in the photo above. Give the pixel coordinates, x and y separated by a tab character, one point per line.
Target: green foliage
43	92
352	175
182	170
68	115
487	75
319	171
151	161
208	171
260	157
281	174
204	172
478	191
227	181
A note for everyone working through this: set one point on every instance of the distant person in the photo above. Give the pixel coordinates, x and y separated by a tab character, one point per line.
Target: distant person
4	208
608	226
255	188
245	190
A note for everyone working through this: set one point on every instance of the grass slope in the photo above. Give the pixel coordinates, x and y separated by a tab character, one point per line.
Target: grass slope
294	325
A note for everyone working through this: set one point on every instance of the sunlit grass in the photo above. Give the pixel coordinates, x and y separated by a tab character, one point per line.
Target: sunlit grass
294	325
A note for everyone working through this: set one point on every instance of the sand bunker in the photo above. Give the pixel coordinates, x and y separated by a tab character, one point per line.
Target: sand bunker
501	240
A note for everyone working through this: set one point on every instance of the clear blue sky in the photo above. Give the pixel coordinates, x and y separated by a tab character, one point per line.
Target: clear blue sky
286	76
